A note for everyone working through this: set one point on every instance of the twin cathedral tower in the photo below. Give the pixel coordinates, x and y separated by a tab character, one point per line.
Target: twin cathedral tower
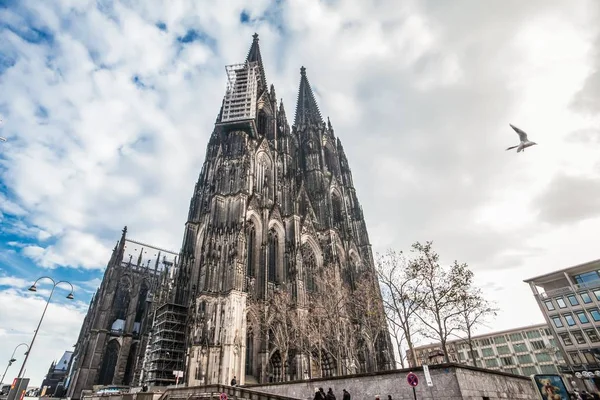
274	209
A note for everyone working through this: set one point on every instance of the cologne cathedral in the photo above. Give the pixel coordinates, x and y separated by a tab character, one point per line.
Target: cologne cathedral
274	229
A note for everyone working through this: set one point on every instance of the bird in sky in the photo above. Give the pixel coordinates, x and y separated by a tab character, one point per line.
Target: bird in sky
524	141
2	139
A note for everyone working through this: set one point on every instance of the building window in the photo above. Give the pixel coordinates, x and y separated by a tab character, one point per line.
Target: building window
520	347
547	332
592	335
548	369
543	357
516	337
533	334
491	363
575	357
597	294
552	342
573	300
538	344
549	305
578	335
582	317
595	314
524	359
527	371
561	302
487	352
499	339
485	342
474	354
586	298
588	277
503	350
558	322
507	361
569	319
566	338
461	356
590	358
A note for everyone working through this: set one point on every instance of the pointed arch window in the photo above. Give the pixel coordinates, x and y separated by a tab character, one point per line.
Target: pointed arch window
310	268
109	362
250	250
273	256
336	203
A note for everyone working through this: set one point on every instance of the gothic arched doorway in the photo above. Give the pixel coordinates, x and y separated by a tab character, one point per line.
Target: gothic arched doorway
109	362
275	370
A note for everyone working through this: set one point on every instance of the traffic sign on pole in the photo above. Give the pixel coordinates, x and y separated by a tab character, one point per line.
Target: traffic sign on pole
412	379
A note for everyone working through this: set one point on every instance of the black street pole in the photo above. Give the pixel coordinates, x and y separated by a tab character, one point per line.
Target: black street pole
414	393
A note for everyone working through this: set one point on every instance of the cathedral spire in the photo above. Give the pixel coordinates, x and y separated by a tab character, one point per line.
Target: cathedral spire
121	246
254	56
307	110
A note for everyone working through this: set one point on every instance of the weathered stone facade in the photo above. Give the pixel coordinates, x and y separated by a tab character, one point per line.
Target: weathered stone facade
114	334
450	382
274	207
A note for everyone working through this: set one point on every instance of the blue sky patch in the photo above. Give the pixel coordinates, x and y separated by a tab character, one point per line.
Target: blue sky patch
244	17
194	35
162	26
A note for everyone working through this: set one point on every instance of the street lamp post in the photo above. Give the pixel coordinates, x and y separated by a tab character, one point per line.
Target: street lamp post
12	360
33	288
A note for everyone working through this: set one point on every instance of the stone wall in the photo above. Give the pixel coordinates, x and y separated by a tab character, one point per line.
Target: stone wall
450	382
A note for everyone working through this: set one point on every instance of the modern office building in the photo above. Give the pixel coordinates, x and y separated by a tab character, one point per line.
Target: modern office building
570	301
521	351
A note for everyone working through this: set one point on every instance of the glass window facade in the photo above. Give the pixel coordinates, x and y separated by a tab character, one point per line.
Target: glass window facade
524	359
500	339
488	352
520	347
585	297
549	305
595	314
543	357
582	317
533	334
558	322
587	277
573	300
491	363
538	344
561	302
503	350
507	361
569	319
548	369
516	337
529	371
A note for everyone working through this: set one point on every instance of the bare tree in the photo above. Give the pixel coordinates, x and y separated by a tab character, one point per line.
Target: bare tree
399	288
440	294
368	314
474	311
278	319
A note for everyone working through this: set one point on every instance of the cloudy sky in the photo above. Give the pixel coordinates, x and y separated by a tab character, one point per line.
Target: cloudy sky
108	106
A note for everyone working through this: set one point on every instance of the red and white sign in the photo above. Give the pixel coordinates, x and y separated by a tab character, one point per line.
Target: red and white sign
411	378
223	396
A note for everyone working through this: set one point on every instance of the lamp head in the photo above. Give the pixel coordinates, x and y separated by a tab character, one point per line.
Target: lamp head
33	288
70	296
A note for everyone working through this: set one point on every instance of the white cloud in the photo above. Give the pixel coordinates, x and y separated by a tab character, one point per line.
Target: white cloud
58	332
420	94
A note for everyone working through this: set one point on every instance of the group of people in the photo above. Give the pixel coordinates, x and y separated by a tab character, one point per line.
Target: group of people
321	395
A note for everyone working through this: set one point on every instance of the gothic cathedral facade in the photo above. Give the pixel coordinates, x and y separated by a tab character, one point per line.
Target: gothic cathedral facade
274	208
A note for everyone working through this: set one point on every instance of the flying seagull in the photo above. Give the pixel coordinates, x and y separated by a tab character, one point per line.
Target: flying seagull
2	139
524	141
